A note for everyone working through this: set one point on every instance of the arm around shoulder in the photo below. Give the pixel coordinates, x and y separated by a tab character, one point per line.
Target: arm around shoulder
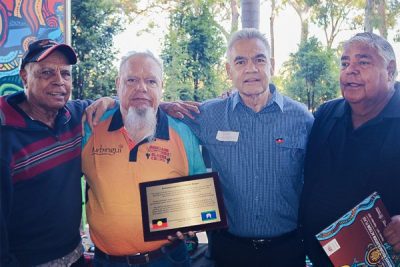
180	109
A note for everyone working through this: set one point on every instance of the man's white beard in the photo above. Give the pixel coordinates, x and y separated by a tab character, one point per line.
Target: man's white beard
141	123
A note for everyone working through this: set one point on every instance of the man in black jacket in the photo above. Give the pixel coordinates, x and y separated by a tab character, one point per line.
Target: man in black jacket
354	145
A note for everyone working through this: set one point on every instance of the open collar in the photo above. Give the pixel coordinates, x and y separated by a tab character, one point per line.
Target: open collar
162	130
276	98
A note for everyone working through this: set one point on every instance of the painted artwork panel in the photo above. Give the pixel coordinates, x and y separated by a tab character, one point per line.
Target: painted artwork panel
21	23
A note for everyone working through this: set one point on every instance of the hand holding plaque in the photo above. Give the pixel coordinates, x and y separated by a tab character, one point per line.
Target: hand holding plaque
188	203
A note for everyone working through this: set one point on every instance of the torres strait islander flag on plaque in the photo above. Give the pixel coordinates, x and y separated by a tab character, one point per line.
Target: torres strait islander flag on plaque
208	215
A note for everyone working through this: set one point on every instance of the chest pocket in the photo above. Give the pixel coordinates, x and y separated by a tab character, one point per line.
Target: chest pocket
289	154
224	152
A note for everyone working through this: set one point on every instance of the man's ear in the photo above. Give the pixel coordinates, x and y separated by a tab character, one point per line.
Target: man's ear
24	76
117	83
228	70
391	68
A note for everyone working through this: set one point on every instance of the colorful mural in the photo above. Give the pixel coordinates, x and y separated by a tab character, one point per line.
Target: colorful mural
22	22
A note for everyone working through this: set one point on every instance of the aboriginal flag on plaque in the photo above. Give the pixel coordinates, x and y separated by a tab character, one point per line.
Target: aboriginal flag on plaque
159	223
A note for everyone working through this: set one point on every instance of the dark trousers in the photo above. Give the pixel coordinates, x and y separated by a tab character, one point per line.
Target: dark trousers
285	251
80	262
315	252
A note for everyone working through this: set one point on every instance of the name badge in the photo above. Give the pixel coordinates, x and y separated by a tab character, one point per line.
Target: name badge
227	136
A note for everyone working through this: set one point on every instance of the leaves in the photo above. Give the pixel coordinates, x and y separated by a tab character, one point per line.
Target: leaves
94	25
192	53
195	43
311	74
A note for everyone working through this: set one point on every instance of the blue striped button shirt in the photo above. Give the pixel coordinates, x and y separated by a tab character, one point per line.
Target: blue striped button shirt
262	171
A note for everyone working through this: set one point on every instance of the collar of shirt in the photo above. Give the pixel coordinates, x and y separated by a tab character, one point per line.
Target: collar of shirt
276	98
129	141
161	128
391	110
16	117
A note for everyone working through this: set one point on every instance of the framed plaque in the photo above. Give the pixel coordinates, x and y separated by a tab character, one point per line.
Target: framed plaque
189	203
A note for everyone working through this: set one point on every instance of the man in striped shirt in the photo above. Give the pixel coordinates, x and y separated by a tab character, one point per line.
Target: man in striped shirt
40	160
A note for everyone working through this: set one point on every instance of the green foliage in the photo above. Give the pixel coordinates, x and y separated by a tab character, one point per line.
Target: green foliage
94	24
192	54
393	12
311	74
390	20
333	17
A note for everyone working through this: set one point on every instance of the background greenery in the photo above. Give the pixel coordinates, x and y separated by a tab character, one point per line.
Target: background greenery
194	45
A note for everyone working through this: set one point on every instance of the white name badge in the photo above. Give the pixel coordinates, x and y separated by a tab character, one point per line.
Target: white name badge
227	136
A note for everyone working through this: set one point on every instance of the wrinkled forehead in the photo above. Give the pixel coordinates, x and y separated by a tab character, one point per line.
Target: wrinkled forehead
248	48
141	64
360	49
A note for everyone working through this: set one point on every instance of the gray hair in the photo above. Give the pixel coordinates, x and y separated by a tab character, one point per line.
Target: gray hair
247	34
383	47
146	53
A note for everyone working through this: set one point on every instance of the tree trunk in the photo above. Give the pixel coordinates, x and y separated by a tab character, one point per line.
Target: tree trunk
304	31
303	10
78	84
235	16
368	15
312	102
308	96
196	90
271	30
382	19
250	13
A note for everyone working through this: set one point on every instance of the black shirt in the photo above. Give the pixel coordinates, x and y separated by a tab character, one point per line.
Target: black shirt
345	165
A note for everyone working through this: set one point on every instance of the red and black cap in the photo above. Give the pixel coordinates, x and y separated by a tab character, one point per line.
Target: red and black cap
40	49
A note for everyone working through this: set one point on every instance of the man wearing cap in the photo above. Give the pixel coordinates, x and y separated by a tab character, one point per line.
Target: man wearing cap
40	162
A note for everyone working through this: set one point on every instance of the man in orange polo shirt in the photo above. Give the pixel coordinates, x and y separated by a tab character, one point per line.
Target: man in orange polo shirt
134	143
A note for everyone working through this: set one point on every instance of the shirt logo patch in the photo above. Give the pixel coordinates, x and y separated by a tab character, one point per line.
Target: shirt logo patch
158	153
279	140
107	150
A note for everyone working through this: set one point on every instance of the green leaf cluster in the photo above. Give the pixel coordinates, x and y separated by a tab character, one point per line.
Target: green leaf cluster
94	25
192	54
311	74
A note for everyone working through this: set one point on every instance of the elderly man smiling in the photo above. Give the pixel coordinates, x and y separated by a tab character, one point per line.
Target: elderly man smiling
40	162
354	146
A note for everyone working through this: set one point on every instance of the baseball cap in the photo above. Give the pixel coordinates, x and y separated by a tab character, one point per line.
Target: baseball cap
40	49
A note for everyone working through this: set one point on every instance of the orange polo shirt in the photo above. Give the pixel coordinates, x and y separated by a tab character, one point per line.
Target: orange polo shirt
114	170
